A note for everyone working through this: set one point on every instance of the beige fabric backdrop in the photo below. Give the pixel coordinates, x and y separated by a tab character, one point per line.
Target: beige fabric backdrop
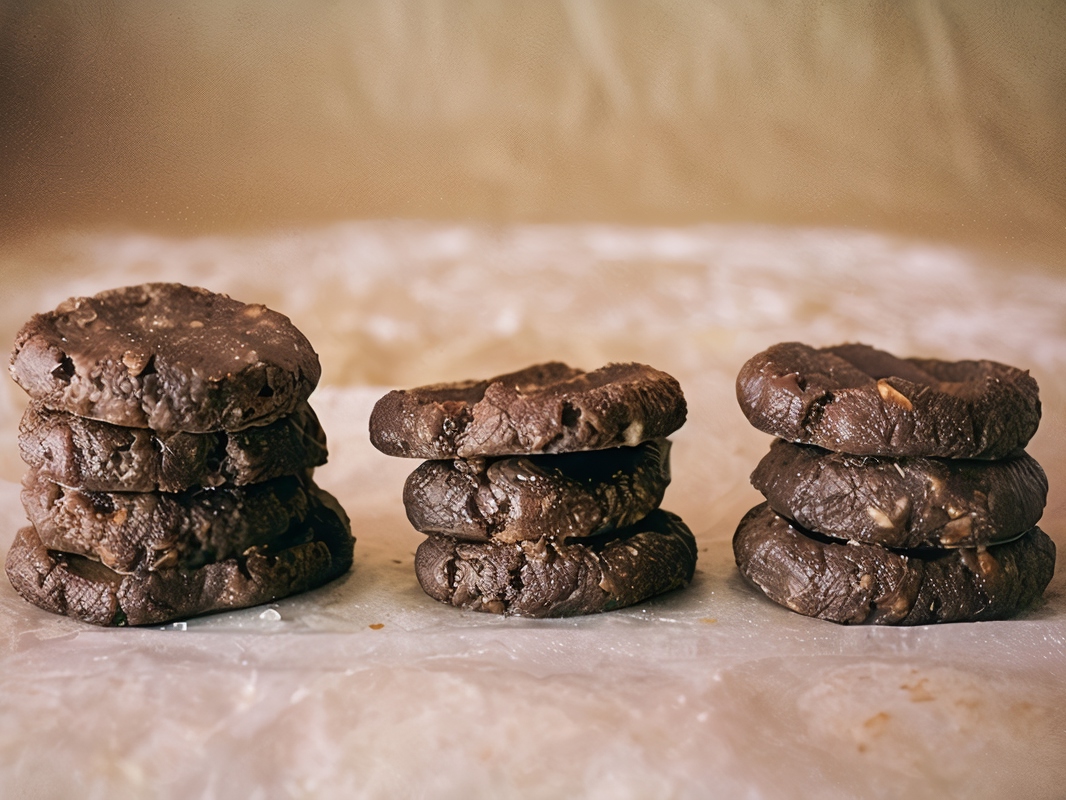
941	118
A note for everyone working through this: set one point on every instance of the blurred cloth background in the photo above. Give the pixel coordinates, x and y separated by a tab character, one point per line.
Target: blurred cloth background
940	119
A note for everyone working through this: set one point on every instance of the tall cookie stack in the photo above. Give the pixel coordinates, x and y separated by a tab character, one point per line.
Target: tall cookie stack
540	496
899	491
171	451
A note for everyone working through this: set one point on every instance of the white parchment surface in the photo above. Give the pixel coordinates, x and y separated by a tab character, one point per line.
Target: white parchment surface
368	688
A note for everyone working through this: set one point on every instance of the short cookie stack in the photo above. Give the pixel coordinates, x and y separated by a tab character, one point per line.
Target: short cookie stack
899	492
171	449
541	494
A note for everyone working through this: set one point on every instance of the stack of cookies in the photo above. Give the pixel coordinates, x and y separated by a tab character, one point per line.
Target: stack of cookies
171	450
899	491
540	496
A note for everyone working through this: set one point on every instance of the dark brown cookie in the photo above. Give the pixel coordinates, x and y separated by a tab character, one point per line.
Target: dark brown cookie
138	531
863	583
855	399
515	498
547	408
167	357
548	578
905	502
97	456
319	550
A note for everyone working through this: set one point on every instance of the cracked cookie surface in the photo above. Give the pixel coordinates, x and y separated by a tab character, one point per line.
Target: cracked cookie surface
549	578
97	456
853	583
133	531
855	399
513	498
165	356
546	408
906	502
318	550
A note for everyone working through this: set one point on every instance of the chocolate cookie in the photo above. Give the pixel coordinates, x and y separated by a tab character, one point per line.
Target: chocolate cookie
528	497
138	531
318	550
97	456
167	357
855	399
862	583
905	502
547	408
550	578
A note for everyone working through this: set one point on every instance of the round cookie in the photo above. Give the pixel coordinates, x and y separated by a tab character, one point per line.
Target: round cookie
863	583
906	502
515	498
97	456
137	531
550	578
321	550
167	357
855	399
546	408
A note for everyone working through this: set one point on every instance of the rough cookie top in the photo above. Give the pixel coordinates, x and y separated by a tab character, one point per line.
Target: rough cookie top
546	408
167	357
855	399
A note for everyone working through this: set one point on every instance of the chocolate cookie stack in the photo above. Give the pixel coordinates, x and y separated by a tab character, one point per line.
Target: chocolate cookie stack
171	450
899	492
541	494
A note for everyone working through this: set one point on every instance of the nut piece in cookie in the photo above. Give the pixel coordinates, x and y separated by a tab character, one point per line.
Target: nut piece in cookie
855	399
862	583
907	502
546	408
167	357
